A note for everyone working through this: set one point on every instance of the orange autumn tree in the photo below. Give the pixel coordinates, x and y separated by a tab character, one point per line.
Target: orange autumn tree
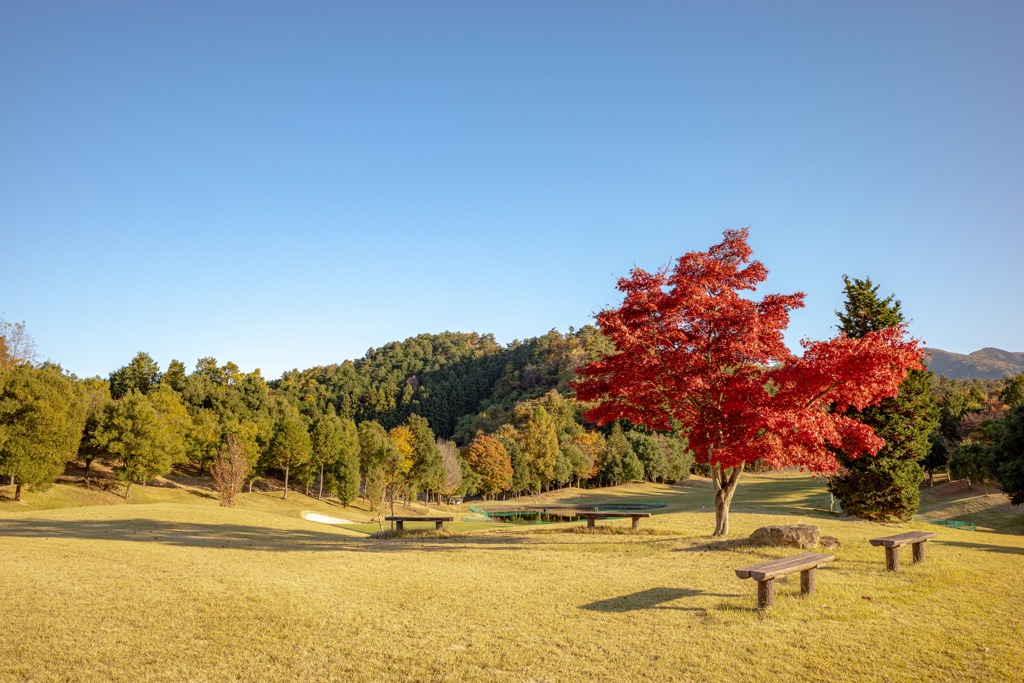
691	350
488	458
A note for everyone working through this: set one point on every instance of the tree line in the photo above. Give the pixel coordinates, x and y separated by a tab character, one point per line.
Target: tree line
456	414
236	427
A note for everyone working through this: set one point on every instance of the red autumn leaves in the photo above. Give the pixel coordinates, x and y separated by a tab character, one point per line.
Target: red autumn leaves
692	349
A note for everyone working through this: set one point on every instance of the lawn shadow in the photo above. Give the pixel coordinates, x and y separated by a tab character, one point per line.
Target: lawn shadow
983	546
236	536
652	598
716	545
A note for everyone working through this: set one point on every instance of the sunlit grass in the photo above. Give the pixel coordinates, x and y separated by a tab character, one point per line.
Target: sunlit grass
175	592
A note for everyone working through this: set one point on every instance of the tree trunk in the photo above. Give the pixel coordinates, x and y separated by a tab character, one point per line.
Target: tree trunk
251	481
88	464
128	491
286	482
725	487
320	496
17	491
392	497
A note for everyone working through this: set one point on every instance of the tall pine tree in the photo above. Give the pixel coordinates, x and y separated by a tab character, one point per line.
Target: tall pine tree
886	486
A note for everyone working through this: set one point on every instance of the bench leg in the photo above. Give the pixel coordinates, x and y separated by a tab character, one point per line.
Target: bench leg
636	523
438	525
809	581
399	524
765	593
892	558
590	522
919	552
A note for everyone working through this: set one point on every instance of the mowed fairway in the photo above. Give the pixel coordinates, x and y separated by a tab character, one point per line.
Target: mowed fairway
196	592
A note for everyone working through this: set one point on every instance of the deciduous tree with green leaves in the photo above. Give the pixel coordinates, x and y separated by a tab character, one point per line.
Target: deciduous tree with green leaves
540	445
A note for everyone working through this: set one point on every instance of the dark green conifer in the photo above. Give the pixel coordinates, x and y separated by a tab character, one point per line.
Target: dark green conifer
886	486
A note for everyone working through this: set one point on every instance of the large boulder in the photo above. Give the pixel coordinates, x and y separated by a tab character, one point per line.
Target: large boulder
794	535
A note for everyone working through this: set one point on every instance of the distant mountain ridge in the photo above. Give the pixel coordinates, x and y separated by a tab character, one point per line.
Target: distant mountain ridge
988	363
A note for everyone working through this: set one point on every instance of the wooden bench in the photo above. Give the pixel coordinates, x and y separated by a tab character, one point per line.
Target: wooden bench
892	546
591	516
766	572
400	521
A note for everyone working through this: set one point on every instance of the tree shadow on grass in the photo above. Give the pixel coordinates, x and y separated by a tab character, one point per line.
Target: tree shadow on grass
652	598
234	536
1010	550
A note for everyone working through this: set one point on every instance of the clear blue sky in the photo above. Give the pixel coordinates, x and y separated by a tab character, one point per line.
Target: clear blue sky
288	184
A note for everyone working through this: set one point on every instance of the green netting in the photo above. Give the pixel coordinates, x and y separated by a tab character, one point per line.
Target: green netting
565	509
955	524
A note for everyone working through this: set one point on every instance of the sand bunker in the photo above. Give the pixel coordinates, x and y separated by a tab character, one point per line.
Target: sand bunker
324	519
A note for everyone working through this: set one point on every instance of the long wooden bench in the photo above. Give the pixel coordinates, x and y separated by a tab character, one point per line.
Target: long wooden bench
591	516
892	546
400	521
765	574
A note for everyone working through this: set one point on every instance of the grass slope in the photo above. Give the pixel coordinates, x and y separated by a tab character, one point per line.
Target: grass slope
171	592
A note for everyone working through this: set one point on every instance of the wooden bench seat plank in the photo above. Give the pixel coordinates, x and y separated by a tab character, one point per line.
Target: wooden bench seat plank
788	565
904	539
418	519
606	515
400	521
781	563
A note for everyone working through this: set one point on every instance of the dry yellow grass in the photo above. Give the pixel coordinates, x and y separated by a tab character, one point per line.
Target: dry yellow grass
173	592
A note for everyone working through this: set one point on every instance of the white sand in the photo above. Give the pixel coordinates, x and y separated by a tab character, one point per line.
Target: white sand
324	519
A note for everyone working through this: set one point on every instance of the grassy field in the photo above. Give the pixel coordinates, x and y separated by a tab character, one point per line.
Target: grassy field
185	590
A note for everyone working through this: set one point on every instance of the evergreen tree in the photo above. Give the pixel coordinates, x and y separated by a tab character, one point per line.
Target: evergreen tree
325	443
290	447
427	465
42	413
885	486
632	469
616	452
970	460
175	375
937	457
1006	455
97	397
345	473
141	374
650	455
1013	393
141	441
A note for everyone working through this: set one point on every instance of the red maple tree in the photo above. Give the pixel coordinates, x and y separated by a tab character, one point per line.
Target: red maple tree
692	351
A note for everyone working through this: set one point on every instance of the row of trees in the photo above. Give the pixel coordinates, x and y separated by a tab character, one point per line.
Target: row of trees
686	370
144	422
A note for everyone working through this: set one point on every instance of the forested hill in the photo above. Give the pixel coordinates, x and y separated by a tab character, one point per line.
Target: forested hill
444	377
987	363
